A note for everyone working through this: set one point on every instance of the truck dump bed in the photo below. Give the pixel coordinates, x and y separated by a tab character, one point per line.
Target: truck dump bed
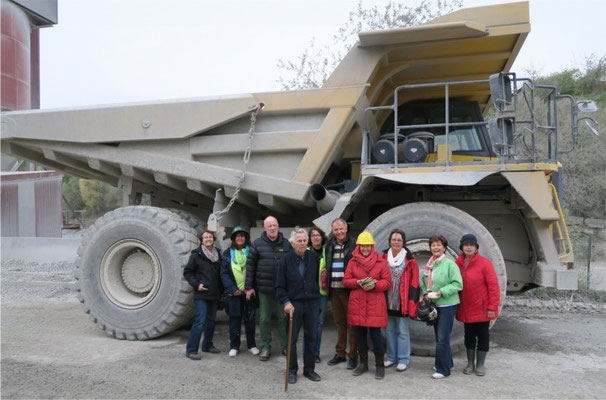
186	149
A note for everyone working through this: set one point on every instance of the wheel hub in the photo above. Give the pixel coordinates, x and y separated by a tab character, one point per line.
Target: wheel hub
138	272
130	274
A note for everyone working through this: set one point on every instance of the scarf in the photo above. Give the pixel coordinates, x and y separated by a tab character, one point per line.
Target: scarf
396	267
238	265
213	255
431	263
398	260
365	262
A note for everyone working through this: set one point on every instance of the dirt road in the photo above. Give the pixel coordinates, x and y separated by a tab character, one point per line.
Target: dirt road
51	350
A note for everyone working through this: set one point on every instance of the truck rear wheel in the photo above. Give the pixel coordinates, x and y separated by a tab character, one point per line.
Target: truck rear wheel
192	220
420	221
130	272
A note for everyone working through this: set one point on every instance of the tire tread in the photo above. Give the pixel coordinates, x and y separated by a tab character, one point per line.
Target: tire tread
183	238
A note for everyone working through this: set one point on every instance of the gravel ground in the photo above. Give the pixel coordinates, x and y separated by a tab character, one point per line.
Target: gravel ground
51	350
24	282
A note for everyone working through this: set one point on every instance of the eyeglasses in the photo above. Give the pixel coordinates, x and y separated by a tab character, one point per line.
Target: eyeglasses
396	240
315	235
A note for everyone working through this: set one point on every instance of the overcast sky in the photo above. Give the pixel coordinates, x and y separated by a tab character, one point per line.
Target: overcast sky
117	51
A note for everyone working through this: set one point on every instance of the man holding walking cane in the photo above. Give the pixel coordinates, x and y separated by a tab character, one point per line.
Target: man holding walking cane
297	289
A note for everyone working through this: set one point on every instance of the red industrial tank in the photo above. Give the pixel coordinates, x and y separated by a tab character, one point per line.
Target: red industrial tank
16	60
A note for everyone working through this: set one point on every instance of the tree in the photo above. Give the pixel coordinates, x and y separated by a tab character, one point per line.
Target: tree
71	192
584	188
99	197
588	80
315	64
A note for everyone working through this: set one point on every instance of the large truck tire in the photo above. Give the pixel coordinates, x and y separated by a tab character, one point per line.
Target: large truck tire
192	220
130	272
420	221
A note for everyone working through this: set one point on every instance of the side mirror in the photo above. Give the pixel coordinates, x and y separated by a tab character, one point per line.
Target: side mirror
587	106
591	124
500	91
501	134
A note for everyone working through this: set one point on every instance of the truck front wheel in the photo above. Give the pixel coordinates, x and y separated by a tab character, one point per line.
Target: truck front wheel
130	272
420	221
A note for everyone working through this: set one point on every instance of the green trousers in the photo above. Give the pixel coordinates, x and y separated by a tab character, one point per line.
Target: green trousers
267	305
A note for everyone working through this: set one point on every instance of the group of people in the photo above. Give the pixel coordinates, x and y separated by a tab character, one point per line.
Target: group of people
296	278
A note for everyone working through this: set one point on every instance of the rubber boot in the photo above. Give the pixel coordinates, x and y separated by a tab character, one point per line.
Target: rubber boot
480	370
471	359
363	364
380	365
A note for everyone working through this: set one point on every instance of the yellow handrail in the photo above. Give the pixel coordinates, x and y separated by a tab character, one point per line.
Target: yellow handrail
564	240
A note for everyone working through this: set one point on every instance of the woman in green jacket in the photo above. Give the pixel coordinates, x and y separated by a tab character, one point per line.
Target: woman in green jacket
441	283
317	242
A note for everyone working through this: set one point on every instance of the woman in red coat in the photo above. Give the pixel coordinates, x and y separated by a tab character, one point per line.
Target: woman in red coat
368	277
480	299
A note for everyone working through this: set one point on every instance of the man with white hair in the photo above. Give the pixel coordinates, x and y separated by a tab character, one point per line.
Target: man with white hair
297	289
263	258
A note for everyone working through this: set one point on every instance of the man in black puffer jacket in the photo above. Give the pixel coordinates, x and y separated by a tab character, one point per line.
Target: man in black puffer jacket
263	258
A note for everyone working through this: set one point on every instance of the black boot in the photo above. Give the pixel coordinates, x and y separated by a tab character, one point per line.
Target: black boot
380	365
363	365
480	371
471	359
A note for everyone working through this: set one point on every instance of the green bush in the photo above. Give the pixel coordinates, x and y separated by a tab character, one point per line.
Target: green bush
71	193
99	197
583	191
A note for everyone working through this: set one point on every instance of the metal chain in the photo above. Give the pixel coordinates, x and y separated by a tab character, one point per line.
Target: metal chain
246	159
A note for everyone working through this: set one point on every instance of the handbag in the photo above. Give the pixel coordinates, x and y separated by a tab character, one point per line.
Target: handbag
427	312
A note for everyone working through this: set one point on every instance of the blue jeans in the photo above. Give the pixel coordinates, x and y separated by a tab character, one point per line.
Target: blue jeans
204	321
398	340
442	329
323	303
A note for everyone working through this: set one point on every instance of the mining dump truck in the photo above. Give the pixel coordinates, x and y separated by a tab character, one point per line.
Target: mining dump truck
418	128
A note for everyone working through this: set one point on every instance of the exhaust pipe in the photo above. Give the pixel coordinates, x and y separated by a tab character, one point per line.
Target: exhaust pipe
325	199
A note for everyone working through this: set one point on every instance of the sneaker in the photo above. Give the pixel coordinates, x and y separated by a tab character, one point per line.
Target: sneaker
254	351
388	363
284	352
233	352
211	349
264	356
194	356
401	367
437	375
336	360
318	360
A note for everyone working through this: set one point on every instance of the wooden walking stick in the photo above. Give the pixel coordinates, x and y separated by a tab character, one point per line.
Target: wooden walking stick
288	352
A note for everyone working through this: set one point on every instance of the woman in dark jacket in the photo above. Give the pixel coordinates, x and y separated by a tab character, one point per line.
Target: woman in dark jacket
480	299
233	276
367	274
402	299
202	273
